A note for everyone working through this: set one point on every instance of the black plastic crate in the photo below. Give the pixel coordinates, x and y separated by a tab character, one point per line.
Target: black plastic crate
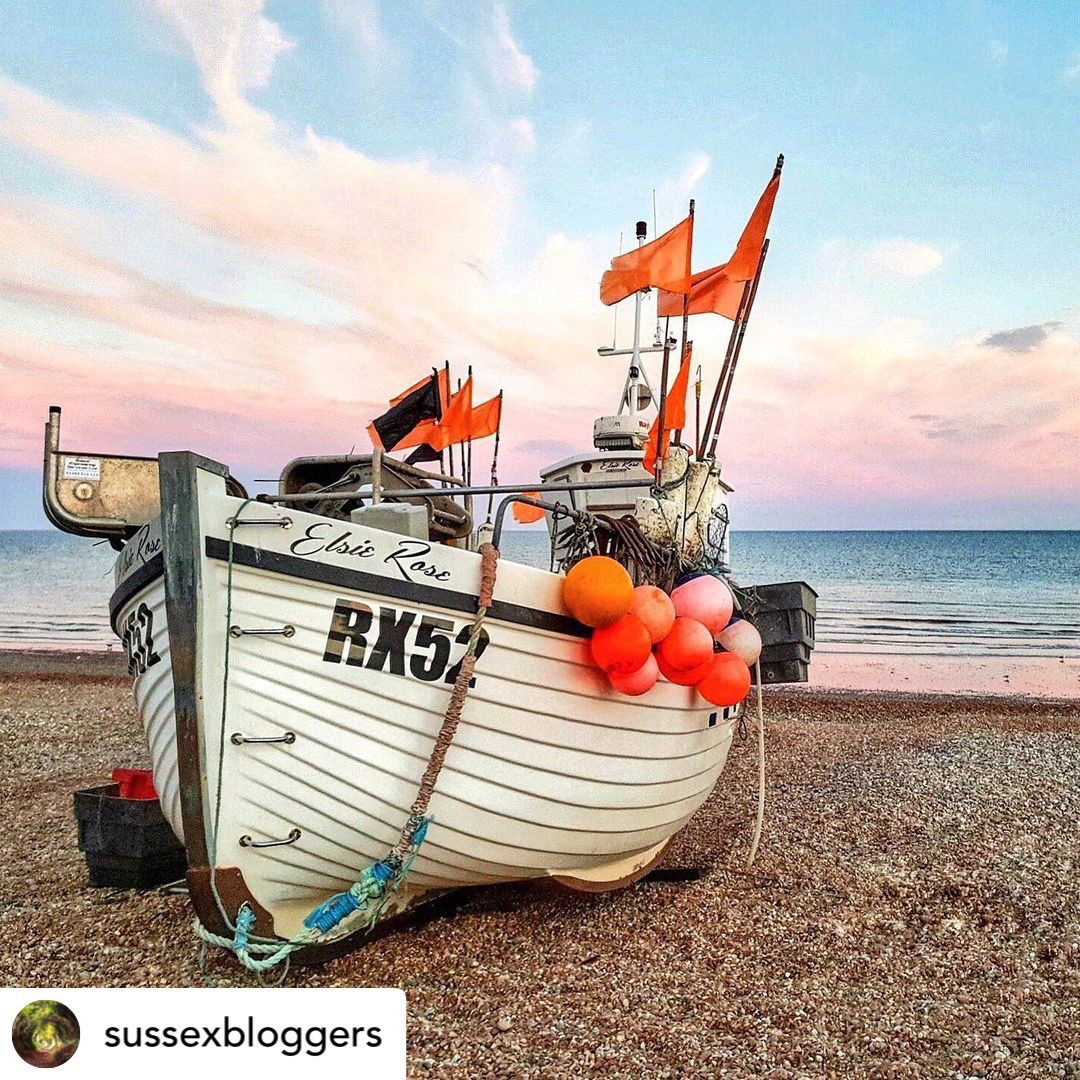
786	650
784	615
782	671
128	844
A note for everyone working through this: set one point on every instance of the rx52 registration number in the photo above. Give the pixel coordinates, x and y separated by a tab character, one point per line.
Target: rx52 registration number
386	641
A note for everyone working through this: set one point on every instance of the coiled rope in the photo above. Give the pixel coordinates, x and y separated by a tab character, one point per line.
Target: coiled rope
361	905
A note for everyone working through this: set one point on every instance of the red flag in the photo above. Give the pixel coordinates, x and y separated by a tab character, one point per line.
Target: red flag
663	264
674	412
719	290
486	418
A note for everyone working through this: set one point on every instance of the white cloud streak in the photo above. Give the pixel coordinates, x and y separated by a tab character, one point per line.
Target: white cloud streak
904	258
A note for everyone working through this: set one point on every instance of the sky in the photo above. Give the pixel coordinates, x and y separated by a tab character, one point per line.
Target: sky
240	226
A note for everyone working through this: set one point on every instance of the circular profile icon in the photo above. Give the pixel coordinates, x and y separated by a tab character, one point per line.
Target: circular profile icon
45	1034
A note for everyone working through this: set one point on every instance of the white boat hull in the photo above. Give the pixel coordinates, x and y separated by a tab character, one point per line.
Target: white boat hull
550	772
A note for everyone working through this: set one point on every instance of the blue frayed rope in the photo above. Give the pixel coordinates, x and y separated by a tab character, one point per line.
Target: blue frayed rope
332	920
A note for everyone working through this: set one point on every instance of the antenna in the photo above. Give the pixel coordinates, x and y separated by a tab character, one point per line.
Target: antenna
656	334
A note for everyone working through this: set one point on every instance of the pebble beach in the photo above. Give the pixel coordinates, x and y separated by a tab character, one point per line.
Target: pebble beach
914	909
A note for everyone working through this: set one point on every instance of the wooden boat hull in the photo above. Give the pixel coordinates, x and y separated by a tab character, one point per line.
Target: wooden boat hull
550	772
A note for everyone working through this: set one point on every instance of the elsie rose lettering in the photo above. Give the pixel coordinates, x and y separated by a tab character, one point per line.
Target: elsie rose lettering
409	557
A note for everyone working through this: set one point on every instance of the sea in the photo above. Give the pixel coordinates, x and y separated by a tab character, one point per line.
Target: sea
949	593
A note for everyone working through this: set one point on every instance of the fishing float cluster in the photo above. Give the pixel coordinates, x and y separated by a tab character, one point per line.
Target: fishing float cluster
642	633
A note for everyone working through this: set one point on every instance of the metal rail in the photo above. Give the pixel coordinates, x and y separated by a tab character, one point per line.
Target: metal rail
431	493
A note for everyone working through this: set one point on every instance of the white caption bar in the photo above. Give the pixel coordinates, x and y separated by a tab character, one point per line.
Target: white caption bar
166	1033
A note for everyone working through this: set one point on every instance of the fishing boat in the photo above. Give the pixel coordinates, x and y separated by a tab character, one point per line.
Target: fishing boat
295	658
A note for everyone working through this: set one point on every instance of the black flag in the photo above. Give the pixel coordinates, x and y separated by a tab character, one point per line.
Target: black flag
424	452
388	430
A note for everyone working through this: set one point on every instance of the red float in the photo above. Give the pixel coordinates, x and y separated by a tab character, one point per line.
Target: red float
683	678
727	681
688	645
637	682
622	647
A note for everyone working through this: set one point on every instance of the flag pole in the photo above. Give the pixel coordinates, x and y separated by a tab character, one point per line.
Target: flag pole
697	408
722	377
468	468
450	394
495	457
738	328
663	404
738	349
661	433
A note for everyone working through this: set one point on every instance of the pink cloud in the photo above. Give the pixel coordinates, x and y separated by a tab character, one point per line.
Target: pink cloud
417	254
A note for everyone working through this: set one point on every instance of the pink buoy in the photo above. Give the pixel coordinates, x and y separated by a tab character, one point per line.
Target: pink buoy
637	682
706	599
741	637
654	608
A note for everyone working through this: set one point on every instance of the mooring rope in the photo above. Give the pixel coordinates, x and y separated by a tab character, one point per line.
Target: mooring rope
761	768
340	915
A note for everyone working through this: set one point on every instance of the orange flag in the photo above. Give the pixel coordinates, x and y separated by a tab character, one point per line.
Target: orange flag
674	412
710	291
720	289
454	425
419	434
452	428
524	513
663	264
444	388
485	418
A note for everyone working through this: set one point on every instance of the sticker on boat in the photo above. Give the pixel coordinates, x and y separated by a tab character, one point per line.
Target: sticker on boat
82	468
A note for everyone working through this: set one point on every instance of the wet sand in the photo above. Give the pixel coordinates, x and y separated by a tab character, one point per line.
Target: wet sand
914	910
1033	676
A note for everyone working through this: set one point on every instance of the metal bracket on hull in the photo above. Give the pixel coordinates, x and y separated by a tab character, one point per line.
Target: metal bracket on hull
264	631
238	739
294	835
281	523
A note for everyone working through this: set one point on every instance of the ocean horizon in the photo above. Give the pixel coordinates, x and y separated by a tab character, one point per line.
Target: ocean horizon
925	592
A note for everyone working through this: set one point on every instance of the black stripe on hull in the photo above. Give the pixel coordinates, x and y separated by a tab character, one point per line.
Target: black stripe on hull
414	592
135	583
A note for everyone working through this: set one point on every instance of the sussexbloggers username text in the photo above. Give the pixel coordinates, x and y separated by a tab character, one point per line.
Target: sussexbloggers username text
291	1040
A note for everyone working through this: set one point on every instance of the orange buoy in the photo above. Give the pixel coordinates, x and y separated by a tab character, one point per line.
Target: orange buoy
598	591
621	647
727	681
637	682
654	608
688	645
705	598
683	678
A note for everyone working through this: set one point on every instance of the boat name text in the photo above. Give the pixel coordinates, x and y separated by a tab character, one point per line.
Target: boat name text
409	557
138	551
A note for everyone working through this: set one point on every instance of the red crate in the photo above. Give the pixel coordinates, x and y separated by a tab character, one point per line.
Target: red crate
135	783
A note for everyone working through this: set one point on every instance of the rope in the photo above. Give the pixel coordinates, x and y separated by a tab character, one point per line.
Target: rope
761	769
364	902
